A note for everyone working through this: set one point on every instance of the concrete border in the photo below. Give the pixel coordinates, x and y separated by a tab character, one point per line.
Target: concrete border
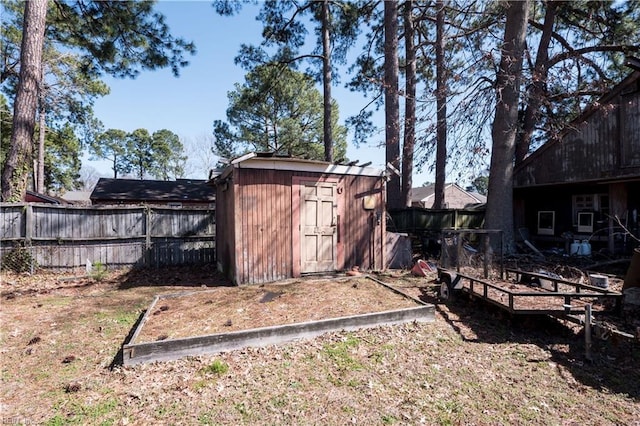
166	350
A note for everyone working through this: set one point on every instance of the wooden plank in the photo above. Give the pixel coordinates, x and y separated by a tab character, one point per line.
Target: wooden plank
12	222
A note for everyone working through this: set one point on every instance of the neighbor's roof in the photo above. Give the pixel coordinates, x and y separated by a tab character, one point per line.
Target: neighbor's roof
265	161
77	196
133	190
425	192
36	197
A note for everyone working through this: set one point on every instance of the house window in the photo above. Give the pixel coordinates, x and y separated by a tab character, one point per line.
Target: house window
590	203
175	204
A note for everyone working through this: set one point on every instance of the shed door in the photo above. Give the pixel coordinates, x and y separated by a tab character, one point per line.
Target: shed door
318	227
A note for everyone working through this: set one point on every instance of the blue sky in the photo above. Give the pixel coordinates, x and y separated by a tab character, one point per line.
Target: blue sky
188	105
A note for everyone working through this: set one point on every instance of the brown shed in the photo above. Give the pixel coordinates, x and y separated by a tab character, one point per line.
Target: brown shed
281	217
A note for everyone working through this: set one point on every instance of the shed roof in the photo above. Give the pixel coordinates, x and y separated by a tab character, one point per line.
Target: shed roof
269	162
153	190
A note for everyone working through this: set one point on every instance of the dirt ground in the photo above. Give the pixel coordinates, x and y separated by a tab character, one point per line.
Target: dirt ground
226	309
61	335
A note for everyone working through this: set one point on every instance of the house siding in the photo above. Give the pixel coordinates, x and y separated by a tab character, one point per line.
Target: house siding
604	144
597	156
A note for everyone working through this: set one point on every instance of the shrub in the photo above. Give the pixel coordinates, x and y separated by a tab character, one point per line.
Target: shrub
19	260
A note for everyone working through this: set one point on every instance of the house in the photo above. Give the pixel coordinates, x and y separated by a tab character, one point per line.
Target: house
36	197
454	196
284	217
585	184
78	198
178	193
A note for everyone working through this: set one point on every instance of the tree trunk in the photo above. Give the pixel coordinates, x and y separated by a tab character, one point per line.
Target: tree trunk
536	90
409	105
441	114
115	166
41	134
326	82
19	158
391	102
499	214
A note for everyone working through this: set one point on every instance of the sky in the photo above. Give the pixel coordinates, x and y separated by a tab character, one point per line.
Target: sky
189	104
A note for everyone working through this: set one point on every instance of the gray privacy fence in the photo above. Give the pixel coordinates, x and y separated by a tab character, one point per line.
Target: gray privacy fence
63	237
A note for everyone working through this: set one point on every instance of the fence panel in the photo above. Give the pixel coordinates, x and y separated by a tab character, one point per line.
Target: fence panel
64	237
12	222
415	220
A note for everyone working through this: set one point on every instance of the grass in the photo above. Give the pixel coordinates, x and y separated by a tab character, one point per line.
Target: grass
217	368
76	413
340	354
471	366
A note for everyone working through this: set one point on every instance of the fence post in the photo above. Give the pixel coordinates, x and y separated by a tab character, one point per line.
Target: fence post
147	235
28	235
587	332
28	222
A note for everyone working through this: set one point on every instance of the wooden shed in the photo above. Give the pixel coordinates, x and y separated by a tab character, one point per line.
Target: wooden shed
281	217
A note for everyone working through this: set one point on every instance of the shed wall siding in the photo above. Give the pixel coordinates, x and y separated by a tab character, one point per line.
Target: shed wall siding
361	234
264	227
588	152
225	230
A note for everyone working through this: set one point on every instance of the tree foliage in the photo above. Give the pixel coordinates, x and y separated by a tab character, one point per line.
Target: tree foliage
61	156
480	184
112	146
118	38
84	40
277	110
285	29
159	155
168	152
61	161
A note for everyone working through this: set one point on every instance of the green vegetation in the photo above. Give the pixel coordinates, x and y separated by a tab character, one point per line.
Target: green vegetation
19	260
217	368
98	271
76	413
340	354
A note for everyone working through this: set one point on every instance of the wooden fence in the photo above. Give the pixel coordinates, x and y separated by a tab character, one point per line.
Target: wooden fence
417	221
61	237
425	226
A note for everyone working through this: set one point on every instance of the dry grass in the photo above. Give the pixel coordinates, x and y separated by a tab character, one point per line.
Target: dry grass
471	366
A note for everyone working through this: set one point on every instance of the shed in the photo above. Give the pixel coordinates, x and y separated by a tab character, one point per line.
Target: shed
279	218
